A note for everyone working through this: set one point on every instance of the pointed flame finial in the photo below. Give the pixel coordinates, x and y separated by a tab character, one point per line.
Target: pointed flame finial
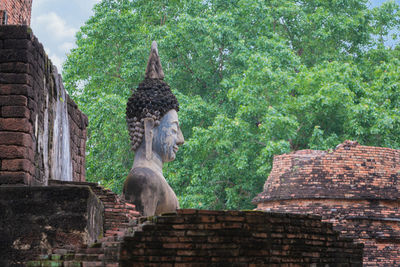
154	69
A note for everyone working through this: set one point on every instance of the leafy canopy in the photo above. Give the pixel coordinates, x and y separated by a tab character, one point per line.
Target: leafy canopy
254	79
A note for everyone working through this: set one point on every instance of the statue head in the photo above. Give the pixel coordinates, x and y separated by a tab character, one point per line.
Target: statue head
151	114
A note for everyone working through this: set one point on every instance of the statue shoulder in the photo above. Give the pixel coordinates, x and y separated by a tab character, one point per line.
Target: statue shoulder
143	175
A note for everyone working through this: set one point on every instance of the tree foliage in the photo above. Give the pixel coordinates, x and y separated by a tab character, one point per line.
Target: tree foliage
254	79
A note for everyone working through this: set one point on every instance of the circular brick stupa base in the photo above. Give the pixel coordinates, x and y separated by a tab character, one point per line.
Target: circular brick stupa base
355	187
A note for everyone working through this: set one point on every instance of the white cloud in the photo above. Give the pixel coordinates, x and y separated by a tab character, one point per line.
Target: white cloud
66	47
54	25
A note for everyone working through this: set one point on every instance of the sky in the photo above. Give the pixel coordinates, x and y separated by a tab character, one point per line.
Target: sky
55	23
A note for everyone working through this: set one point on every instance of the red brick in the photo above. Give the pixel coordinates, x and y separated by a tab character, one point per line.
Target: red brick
199	233
207	219
231	218
15	112
18	12
179	245
16	89
18	125
255	219
13	100
209	212
17	165
213	226
232	225
187	211
13	152
16	138
188	226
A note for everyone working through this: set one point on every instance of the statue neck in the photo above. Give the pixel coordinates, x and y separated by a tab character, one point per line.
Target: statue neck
155	163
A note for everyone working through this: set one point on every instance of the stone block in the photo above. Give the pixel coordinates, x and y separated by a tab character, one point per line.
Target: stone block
7	177
16	78
14	32
14	152
17	165
16	55
16	138
13	100
17	44
15	124
15	67
15	112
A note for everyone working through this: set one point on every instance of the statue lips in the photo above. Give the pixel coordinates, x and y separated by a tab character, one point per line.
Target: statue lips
175	148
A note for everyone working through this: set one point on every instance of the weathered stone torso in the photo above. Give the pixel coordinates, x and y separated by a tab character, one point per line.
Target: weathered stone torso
150	192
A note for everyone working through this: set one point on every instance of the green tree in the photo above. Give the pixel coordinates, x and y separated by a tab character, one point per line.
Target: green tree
254	79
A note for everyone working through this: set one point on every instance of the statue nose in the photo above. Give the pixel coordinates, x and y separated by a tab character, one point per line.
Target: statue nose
180	140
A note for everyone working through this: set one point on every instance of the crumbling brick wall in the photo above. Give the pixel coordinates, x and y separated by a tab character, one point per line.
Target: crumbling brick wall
42	131
237	238
355	187
373	223
15	12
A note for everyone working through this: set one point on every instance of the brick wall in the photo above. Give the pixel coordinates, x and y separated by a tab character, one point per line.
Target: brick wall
234	238
15	12
42	131
355	187
376	224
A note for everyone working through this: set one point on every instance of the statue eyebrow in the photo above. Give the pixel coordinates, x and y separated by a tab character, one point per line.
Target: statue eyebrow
175	121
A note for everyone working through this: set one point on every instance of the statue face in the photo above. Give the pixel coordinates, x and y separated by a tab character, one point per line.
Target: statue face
167	136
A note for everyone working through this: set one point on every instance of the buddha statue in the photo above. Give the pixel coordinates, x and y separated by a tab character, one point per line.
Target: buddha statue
153	125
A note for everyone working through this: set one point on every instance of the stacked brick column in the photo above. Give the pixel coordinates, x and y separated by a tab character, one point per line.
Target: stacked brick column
31	92
355	187
16	127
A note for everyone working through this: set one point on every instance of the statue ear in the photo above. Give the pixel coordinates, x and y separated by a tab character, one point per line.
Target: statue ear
148	133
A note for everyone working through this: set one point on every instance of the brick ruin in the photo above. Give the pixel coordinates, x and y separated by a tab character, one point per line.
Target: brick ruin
237	238
51	217
42	131
15	12
217	238
354	187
